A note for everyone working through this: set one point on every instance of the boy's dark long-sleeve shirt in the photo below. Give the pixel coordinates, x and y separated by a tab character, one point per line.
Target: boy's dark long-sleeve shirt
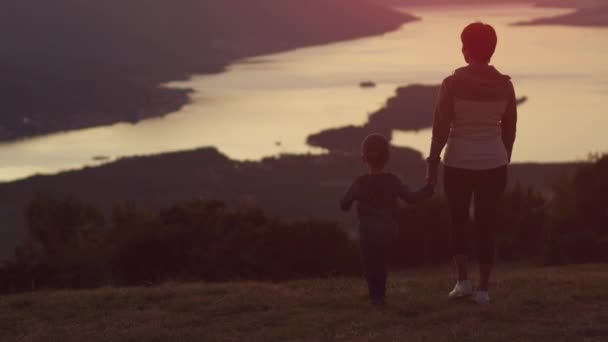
377	198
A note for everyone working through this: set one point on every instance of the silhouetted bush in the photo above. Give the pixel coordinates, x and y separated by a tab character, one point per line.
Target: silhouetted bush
521	219
577	230
424	235
204	240
425	232
64	243
70	245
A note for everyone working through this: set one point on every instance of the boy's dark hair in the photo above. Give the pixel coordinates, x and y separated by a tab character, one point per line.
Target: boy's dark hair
480	41
375	150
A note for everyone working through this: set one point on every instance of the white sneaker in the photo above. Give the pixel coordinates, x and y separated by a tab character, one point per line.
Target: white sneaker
462	289
481	297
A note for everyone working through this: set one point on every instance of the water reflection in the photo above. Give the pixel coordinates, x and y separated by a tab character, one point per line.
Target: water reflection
285	97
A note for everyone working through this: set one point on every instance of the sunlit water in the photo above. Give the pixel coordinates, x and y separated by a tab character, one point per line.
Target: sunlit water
269	105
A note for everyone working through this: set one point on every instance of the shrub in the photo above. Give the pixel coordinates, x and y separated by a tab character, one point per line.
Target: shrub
577	230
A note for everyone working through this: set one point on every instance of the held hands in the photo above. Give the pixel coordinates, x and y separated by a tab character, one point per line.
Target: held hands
431	176
432	171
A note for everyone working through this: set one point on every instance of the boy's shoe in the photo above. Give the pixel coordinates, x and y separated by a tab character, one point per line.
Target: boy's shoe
462	289
481	297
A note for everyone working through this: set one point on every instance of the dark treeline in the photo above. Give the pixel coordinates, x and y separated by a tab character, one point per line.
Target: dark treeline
278	185
71	243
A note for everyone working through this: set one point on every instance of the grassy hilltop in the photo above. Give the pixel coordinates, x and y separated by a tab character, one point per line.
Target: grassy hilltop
529	304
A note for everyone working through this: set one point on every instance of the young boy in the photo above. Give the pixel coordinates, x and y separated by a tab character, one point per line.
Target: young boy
377	194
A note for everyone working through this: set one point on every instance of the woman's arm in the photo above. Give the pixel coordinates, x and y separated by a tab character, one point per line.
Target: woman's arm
442	121
509	123
412	197
350	197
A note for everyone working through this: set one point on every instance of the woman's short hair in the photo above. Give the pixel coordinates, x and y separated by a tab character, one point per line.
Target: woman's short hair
480	40
375	150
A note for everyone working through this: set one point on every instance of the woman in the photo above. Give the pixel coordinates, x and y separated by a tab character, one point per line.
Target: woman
476	117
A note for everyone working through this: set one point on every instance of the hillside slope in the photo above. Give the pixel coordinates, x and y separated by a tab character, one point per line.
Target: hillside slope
165	179
529	304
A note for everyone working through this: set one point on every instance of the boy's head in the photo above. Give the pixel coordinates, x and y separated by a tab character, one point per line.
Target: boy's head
478	42
375	151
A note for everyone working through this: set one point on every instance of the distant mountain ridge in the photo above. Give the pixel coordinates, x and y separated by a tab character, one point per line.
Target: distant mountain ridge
587	16
586	12
128	48
182	35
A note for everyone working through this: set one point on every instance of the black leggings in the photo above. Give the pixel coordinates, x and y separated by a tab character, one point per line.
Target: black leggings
485	188
374	255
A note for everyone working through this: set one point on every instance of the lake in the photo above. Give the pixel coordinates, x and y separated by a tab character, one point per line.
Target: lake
268	105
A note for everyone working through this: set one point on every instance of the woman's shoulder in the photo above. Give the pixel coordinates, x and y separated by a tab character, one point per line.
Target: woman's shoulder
449	80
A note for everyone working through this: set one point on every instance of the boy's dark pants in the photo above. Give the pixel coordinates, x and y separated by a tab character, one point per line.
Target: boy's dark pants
374	254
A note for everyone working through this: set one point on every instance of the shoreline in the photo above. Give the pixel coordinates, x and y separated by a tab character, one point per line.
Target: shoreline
585	17
587	13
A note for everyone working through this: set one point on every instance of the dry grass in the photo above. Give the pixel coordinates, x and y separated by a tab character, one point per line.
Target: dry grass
529	304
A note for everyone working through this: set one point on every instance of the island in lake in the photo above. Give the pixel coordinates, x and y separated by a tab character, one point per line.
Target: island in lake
581	17
411	109
585	12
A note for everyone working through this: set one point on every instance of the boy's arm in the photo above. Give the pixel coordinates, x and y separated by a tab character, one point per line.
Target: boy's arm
350	197
412	197
509	123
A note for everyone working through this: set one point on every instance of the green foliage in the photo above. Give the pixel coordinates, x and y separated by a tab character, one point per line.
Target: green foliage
71	245
63	244
578	227
58	225
520	224
424	234
204	240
